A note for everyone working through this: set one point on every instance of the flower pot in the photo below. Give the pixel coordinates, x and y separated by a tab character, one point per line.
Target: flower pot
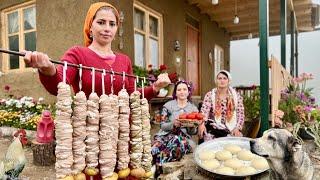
304	134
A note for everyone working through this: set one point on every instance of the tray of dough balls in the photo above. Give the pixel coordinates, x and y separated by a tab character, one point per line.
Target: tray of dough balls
229	156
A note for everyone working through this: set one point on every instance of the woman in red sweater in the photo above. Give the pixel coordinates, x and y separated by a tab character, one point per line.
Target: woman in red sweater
99	30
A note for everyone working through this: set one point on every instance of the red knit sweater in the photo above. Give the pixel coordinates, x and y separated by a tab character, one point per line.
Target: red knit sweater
87	57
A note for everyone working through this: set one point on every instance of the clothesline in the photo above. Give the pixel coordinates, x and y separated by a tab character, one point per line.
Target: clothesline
83	67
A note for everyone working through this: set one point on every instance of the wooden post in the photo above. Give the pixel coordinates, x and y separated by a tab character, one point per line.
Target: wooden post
43	153
264	69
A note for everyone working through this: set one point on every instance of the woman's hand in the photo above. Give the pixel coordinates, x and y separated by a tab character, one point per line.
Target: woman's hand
236	132
40	61
163	81
176	123
201	130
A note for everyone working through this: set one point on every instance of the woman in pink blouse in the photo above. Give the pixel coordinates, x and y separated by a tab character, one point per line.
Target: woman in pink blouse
223	110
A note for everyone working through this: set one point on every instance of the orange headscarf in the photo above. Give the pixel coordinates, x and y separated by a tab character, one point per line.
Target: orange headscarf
89	18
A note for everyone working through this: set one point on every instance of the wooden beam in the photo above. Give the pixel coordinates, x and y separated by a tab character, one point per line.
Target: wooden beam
246	25
193	2
305	26
243	17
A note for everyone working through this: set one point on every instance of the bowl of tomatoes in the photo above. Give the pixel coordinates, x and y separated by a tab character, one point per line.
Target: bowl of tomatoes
193	119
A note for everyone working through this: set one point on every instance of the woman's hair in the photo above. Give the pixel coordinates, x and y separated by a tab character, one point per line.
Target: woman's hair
174	94
226	73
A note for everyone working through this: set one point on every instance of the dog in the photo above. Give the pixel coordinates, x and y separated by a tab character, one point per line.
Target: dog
285	155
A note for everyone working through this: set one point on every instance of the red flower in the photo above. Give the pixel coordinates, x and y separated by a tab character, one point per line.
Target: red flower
173	77
6	87
163	67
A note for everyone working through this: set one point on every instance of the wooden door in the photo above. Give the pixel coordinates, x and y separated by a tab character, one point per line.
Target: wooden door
192	71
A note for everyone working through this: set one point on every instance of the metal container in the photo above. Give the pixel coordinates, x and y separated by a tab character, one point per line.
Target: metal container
217	145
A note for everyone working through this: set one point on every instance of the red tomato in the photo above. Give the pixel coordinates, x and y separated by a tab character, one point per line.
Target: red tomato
199	116
183	116
191	116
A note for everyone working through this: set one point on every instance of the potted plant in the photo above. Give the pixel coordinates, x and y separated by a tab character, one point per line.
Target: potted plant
251	104
299	107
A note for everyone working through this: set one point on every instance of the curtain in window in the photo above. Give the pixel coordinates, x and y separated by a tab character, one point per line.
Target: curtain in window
139	59
154	52
13	22
29	16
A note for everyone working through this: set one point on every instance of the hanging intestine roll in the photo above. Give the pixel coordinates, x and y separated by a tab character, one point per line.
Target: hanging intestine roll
124	132
136	146
63	129
109	125
92	139
79	130
146	137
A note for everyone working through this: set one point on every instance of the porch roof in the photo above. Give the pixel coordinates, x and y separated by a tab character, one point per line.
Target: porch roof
248	11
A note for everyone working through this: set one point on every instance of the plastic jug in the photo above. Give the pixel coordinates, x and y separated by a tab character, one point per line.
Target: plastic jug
45	128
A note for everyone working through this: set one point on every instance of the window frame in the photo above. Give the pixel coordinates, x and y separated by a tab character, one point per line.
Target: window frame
218	62
5	35
147	34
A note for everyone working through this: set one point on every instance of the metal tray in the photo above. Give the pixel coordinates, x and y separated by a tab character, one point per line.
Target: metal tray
217	145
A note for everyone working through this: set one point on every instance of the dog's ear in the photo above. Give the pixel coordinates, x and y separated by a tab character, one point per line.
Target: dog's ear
293	145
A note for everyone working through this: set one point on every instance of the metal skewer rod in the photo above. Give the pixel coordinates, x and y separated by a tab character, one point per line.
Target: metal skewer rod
78	66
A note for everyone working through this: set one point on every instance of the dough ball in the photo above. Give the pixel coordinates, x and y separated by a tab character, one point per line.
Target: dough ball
211	164
260	163
206	155
225	171
234	163
245	155
232	148
223	155
246	170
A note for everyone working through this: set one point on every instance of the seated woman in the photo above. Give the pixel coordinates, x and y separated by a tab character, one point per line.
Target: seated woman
173	141
223	110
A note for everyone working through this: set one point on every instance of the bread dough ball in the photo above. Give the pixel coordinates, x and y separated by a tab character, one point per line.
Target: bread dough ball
234	163
232	148
223	155
225	170
206	155
245	155
211	164
246	170
260	163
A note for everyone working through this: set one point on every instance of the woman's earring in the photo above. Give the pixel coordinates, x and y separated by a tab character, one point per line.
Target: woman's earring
90	35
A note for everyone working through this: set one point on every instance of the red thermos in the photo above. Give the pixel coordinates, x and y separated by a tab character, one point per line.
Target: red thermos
45	128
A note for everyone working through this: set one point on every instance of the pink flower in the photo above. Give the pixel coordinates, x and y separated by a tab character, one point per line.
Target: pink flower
279	114
297	80
306	76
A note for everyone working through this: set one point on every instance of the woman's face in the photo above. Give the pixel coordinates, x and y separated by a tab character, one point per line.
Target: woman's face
222	81
104	27
182	91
